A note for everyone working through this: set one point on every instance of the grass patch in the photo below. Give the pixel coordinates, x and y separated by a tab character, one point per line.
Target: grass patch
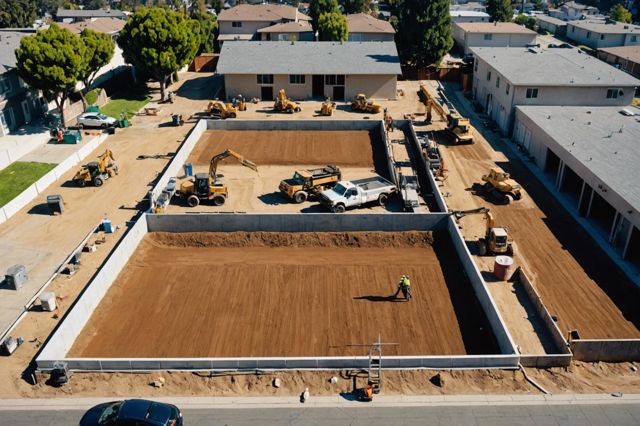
92	96
125	102
18	177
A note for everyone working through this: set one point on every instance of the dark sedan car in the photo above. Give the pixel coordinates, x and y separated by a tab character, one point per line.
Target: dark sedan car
132	412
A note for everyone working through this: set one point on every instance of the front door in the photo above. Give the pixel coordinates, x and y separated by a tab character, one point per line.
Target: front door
317	86
338	93
266	93
26	111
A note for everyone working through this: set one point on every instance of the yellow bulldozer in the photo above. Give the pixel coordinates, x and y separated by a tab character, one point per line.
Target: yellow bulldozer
97	172
283	104
327	107
362	104
221	109
501	187
308	183
496	239
458	127
207	186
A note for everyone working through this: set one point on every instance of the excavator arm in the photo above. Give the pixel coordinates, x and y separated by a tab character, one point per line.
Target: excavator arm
105	159
213	165
432	104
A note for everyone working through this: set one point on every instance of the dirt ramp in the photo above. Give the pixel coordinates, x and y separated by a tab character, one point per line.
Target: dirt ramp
416	239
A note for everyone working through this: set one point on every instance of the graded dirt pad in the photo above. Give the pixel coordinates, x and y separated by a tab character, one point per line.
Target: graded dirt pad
289	147
299	294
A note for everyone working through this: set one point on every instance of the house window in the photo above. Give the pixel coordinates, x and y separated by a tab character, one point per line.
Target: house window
488	36
634	38
498	81
488	75
265	78
614	93
532	93
601	36
5	85
588	34
508	87
355	37
475	66
573	29
296	79
236	24
334	80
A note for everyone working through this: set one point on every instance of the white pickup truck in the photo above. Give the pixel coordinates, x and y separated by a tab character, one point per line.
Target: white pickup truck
355	193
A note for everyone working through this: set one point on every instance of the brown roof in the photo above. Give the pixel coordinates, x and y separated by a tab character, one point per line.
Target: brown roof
262	12
631	53
494	27
363	23
288	27
100	25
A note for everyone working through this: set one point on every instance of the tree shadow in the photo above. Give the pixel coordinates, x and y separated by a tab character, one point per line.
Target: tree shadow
201	88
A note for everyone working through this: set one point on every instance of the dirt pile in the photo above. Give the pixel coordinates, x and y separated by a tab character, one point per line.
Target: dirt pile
416	239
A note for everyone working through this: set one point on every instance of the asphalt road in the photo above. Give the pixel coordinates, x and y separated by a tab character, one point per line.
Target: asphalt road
535	415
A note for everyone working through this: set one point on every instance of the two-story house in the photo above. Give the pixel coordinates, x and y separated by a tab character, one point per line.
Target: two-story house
244	21
492	34
364	27
600	34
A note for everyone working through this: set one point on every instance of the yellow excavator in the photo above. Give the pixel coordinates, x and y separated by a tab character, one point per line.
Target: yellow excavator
327	107
221	109
500	186
496	239
458	127
362	104
207	186
97	172
283	104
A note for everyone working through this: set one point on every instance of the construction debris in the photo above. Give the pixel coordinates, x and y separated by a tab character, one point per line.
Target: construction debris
158	383
276	383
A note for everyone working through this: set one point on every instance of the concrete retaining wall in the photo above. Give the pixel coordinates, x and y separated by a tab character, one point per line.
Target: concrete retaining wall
505	342
618	350
26	196
61	340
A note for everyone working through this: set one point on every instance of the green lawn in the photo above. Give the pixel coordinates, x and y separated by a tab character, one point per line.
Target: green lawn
127	102
18	176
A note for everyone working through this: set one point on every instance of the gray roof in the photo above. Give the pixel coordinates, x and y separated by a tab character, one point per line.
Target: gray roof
601	139
602	27
9	42
98	13
314	57
551	20
552	67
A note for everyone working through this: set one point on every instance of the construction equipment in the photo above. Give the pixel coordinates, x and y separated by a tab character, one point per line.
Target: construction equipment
207	186
458	127
283	104
97	172
221	109
327	107
310	182
239	103
501	187
431	153
496	239
362	104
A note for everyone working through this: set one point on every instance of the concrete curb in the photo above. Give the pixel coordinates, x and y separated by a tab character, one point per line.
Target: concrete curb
337	401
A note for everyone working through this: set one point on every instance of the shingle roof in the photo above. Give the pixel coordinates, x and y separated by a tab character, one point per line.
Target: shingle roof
601	139
363	23
100	25
602	27
494	27
316	57
631	53
262	12
9	42
288	27
552	67
84	13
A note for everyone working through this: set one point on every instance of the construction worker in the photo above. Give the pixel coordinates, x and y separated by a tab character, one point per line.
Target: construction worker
367	392
405	286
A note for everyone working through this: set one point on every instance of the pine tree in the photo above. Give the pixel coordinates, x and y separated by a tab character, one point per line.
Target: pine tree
500	10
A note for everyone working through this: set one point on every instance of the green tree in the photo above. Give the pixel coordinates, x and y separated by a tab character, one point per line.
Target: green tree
318	7
424	31
537	5
99	48
527	21
333	27
53	61
49	6
17	13
356	6
95	4
158	42
208	26
69	5
500	10
620	14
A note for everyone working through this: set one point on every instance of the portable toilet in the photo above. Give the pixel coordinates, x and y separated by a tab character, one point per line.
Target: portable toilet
188	169
107	226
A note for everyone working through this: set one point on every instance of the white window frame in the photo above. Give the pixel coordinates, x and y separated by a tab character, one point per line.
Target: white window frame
613	92
532	93
297	79
335	78
488	36
488	75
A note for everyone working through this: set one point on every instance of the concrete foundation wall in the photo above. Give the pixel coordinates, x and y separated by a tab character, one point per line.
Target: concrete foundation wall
622	350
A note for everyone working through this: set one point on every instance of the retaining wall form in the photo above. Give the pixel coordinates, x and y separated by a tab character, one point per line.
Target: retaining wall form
606	350
60	342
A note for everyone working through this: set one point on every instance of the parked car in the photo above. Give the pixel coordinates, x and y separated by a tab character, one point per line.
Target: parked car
132	412
95	119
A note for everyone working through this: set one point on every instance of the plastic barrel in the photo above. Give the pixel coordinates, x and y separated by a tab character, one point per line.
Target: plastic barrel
503	268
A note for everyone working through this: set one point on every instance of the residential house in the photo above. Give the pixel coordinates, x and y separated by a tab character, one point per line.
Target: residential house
591	155
555	26
598	34
505	77
492	34
70	15
287	31
468	16
309	70
626	58
571	11
19	104
364	27
243	21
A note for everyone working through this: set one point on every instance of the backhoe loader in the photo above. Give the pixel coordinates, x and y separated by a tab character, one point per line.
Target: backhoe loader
221	109
283	104
97	172
458	127
496	239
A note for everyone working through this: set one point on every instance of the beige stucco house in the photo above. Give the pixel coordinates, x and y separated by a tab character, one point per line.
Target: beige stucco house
243	21
364	27
491	34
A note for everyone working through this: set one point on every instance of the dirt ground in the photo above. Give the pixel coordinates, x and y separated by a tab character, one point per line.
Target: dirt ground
576	280
290	147
306	294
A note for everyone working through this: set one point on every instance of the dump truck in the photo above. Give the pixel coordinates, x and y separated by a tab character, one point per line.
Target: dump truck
309	183
221	109
327	107
501	187
362	104
347	194
283	104
496	238
97	172
208	186
458	127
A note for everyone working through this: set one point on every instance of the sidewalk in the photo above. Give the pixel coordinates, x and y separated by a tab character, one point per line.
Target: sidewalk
16	145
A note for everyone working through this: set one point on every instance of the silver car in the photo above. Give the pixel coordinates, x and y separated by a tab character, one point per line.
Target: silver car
95	119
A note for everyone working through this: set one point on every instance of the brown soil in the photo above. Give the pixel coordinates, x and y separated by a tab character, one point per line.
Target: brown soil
265	147
244	295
